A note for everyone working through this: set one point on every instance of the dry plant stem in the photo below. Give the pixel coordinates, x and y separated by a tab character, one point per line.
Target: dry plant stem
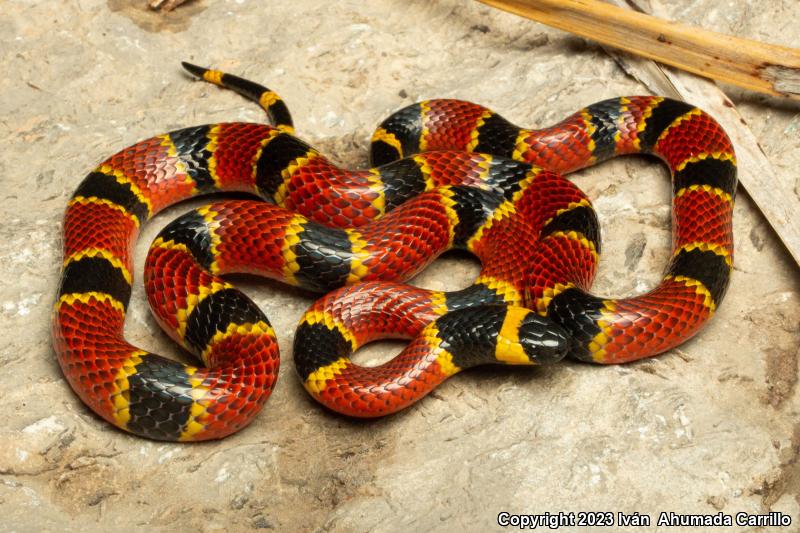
165	5
757	66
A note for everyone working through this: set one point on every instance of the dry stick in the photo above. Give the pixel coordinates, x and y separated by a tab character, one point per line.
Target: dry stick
779	204
750	64
165	5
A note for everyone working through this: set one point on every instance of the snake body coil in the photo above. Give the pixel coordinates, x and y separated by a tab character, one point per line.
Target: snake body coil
449	174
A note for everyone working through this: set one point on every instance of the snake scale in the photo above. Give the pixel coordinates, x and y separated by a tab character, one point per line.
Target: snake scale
447	174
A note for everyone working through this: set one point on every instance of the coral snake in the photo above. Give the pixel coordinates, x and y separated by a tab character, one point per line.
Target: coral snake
448	174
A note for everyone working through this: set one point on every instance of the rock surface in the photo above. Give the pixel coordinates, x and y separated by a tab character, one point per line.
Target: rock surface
712	426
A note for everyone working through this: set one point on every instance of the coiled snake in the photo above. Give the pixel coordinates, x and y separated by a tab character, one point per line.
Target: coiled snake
448	174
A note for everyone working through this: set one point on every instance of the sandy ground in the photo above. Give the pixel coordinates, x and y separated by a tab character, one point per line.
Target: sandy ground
709	427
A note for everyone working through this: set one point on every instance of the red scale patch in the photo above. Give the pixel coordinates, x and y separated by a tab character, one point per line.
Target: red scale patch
395	310
449	124
251	237
655	322
237	145
702	216
409	377
559	261
254	360
508	234
237	390
449	168
101	226
563	148
88	340
331	196
696	135
407	239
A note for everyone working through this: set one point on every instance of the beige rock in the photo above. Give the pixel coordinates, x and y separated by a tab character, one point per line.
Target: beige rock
709	427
